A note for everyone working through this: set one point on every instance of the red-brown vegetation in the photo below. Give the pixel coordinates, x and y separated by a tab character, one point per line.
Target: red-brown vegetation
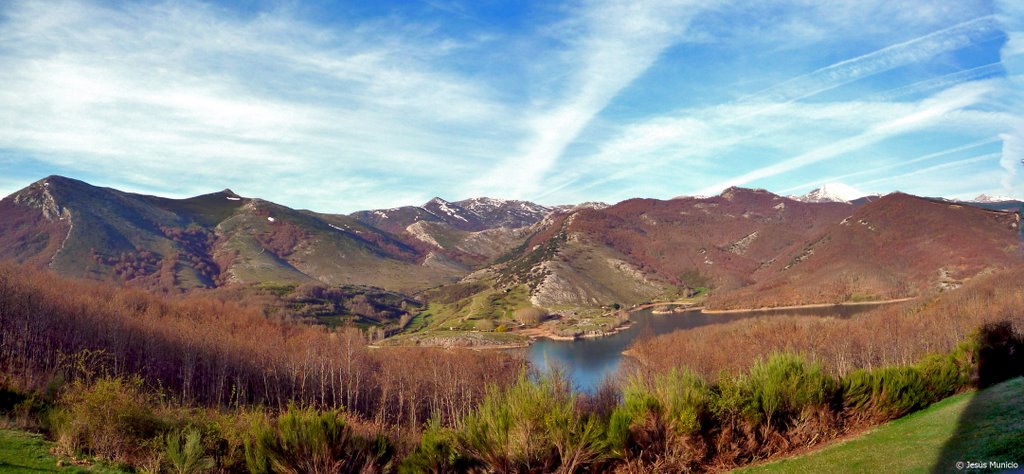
757	249
198	244
28	236
897	246
889	335
282	238
698	236
216	353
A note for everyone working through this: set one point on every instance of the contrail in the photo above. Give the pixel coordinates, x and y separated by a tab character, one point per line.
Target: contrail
845	72
951	164
876	169
975	73
890	57
875	134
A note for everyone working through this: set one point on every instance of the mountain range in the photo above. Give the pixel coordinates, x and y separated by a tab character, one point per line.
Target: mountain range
752	247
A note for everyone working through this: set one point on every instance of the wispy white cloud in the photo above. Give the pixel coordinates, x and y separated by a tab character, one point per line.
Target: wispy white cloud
905	177
908	52
611	43
698	139
181	90
893	164
1011	16
377	111
773	112
925	114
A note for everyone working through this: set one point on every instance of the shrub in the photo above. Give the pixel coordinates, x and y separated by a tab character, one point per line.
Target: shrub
112	418
226	434
899	390
680	400
997	350
305	440
858	391
943	376
436	453
782	386
530	316
531	426
660	421
685	398
24	408
185	453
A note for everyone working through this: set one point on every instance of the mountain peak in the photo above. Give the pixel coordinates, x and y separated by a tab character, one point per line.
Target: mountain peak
436	200
987	198
832	192
734	191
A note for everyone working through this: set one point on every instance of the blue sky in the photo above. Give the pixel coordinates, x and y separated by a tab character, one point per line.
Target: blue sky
341	107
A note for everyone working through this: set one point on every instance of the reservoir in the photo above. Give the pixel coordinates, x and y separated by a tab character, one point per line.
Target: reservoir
587	362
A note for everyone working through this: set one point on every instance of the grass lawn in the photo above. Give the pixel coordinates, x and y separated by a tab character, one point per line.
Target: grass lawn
977	426
24	453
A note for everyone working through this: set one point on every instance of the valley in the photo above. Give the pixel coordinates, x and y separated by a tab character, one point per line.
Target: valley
492	272
433	324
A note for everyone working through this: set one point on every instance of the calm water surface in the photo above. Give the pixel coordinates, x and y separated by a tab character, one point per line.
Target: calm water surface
587	362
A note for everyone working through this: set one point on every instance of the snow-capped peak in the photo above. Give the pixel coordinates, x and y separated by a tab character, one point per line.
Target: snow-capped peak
482	203
446	207
486	205
832	192
990	198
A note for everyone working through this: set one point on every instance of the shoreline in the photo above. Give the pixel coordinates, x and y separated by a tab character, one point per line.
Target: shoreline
806	306
688	304
541	332
544	333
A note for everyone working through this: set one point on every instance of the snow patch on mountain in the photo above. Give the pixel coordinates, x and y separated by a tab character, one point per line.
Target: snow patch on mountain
443	206
832	192
576	207
986	198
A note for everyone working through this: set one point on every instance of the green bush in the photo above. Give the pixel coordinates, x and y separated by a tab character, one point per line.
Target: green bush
185	453
858	391
436	453
112	418
899	390
660	421
305	440
638	402
226	433
891	392
685	398
679	402
779	388
943	375
531	426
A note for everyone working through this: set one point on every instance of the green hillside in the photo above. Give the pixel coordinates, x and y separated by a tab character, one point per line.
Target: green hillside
980	426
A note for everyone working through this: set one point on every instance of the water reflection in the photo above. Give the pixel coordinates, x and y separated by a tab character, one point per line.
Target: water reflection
587	362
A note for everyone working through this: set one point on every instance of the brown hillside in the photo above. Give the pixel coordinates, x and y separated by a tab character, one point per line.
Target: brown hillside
759	249
899	245
720	240
28	236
